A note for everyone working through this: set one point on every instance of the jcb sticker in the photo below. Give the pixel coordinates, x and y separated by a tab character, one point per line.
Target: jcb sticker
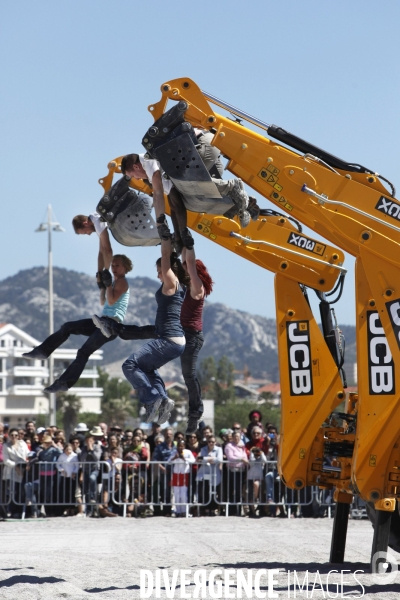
389	208
380	361
372	460
299	356
302	453
306	243
393	309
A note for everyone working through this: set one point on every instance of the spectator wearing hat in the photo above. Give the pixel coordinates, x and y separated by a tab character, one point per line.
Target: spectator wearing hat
80	432
37	442
255	418
48	454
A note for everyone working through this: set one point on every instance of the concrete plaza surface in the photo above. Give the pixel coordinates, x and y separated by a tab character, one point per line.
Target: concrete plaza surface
101	558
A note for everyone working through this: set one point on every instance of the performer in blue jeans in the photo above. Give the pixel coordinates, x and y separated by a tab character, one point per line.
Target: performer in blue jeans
140	368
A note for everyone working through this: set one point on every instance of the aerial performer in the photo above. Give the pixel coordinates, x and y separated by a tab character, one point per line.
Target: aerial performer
114	297
141	367
198	288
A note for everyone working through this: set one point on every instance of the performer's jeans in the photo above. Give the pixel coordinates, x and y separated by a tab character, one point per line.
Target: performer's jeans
135	332
194	343
140	368
95	341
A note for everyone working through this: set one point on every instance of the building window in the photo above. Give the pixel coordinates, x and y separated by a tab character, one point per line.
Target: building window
22	362
1	365
2	343
15	342
22	381
1	385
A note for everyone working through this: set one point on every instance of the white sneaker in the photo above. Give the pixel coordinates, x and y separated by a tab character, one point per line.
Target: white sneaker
152	410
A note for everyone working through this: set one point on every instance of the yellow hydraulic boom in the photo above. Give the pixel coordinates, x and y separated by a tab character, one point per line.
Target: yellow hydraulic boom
349	205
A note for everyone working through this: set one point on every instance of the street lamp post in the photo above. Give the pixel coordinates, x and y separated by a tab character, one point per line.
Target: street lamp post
50	226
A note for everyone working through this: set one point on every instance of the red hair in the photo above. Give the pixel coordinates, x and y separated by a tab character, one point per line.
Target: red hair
204	276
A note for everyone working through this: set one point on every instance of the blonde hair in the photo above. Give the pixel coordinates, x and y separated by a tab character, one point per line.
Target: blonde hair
127	263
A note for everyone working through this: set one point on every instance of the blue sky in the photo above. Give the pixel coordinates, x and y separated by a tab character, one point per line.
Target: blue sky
77	77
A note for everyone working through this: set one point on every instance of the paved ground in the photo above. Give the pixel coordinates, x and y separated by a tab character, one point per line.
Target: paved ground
101	558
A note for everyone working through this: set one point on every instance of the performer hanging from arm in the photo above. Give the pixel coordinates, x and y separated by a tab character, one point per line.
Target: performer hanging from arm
140	368
86	225
200	286
115	300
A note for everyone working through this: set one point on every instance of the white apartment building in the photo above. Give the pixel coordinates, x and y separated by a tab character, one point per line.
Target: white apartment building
22	379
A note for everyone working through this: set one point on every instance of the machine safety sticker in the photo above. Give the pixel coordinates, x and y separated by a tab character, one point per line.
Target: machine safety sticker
302	453
393	308
372	460
281	199
299	358
380	360
389	208
306	243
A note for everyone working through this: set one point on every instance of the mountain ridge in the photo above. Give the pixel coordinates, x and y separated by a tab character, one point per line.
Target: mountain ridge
246	339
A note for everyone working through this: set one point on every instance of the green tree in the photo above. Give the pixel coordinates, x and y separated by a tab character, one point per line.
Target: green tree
216	380
230	412
207	375
116	405
68	408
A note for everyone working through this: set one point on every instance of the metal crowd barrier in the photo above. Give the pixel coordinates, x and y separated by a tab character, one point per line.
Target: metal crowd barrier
137	486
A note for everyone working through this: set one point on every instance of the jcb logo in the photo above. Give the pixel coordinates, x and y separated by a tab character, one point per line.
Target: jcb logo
298	339
380	361
390	208
393	309
304	242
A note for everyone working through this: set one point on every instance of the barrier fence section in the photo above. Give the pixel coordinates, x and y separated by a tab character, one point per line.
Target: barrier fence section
207	486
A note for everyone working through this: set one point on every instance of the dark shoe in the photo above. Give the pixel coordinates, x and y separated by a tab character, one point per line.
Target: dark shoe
253	209
244	218
163	228
187	239
57	386
152	410
239	195
192	425
105	326
35	353
177	244
165	411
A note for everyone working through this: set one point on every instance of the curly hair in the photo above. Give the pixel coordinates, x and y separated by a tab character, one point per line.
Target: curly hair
127	263
177	269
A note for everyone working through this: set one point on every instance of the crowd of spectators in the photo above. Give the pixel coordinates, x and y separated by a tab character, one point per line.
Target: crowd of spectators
109	472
